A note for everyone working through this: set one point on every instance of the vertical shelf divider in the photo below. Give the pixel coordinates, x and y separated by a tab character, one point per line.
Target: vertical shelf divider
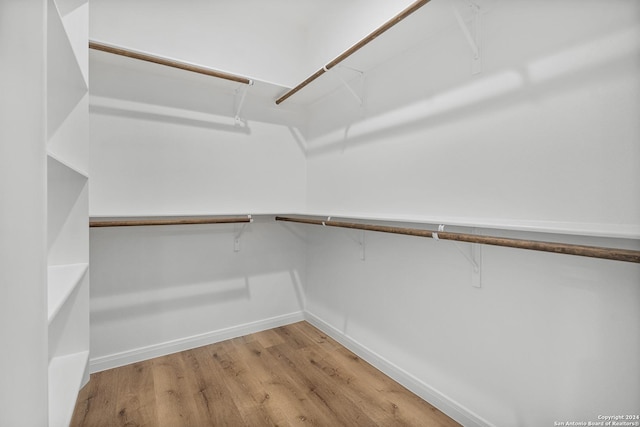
67	205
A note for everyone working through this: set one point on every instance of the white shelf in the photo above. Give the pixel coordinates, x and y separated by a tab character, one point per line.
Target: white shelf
62	280
177	214
104	62
67	207
67	124
65	7
73	17
66	84
616	231
66	164
620	231
69	144
65	379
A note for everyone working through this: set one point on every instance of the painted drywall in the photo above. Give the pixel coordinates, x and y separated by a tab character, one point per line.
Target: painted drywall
167	142
546	133
546	136
546	338
244	38
169	168
541	136
335	29
23	274
157	290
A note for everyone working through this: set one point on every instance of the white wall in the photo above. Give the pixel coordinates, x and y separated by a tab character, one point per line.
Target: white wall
23	296
157	290
144	168
546	134
545	137
335	29
546	338
166	142
244	38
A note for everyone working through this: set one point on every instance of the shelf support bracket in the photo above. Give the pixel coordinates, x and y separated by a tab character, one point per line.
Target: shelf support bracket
475	258
241	93
473	39
236	237
476	255
362	246
360	241
359	99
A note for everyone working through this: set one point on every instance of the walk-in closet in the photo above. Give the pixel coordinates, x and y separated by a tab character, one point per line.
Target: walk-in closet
420	213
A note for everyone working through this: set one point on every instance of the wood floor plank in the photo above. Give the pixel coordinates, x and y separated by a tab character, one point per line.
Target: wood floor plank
291	338
405	406
97	401
269	338
136	399
283	392
319	389
293	375
212	394
315	335
251	400
389	403
350	387
174	395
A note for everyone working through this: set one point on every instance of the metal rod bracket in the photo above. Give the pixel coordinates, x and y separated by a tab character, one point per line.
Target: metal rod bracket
236	237
241	93
472	36
360	241
359	97
476	255
475	258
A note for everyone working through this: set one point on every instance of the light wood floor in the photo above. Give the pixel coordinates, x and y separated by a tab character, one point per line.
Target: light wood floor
288	376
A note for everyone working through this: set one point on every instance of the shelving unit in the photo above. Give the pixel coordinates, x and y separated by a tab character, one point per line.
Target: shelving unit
67	378
617	254
614	231
67	205
62	281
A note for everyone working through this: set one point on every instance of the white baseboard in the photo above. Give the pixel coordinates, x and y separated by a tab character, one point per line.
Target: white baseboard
445	404
143	353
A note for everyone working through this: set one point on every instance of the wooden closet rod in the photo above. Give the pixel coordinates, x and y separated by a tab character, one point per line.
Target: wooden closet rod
168	221
560	248
167	62
344	55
